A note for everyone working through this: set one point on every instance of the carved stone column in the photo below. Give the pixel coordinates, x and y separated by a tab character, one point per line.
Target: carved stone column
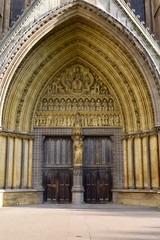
131	164
29	181
77	189
125	154
146	161
138	162
154	161
24	168
9	164
3	144
17	163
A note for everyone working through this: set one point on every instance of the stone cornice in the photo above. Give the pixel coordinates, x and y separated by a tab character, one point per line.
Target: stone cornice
16	134
140	134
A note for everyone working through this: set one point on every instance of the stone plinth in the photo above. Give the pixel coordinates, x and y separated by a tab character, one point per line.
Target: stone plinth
77	189
137	197
77	195
18	197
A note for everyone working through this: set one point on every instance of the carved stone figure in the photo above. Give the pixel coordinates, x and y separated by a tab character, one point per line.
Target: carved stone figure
77	150
44	104
77	80
110	105
98	105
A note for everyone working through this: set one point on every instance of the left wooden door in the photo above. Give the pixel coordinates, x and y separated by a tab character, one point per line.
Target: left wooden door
58	185
57	169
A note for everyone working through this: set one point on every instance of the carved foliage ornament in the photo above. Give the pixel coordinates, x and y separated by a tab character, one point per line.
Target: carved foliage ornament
77	89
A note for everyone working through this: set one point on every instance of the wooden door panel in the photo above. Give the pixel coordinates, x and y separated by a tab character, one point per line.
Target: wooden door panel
58	151
97	186
58	186
97	151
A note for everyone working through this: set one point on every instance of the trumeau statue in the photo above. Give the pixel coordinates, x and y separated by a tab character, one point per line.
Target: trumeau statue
77	149
77	141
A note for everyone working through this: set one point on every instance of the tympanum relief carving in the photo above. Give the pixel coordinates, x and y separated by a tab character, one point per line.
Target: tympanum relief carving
77	90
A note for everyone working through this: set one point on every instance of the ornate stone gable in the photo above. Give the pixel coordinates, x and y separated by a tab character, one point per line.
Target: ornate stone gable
77	90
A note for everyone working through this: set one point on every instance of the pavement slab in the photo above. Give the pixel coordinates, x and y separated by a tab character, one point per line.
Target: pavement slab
79	222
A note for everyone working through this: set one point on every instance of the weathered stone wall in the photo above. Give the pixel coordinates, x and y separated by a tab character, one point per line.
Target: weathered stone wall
149	11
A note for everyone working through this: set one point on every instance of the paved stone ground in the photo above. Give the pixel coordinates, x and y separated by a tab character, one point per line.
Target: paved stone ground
85	222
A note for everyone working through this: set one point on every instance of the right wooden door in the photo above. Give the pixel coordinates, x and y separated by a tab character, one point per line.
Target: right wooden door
97	169
97	185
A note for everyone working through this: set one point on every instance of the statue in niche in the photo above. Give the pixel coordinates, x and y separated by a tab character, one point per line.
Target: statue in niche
78	121
116	120
69	105
62	105
77	140
56	121
104	105
49	121
92	105
106	120
103	89
74	105
98	105
77	149
77	83
50	89
86	105
80	105
68	121
50	104
95	88
99	121
103	120
110	105
56	105
44	104
111	120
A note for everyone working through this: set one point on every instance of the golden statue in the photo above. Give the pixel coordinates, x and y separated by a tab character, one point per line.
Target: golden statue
77	150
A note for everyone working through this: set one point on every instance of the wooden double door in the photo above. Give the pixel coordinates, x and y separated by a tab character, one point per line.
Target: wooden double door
59	167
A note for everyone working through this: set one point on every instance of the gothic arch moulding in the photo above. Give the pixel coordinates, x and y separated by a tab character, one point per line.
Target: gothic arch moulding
81	32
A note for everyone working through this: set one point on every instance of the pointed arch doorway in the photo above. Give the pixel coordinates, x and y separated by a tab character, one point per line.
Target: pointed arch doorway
78	119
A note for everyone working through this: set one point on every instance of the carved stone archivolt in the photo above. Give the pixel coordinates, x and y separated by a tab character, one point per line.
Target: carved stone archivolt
77	90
